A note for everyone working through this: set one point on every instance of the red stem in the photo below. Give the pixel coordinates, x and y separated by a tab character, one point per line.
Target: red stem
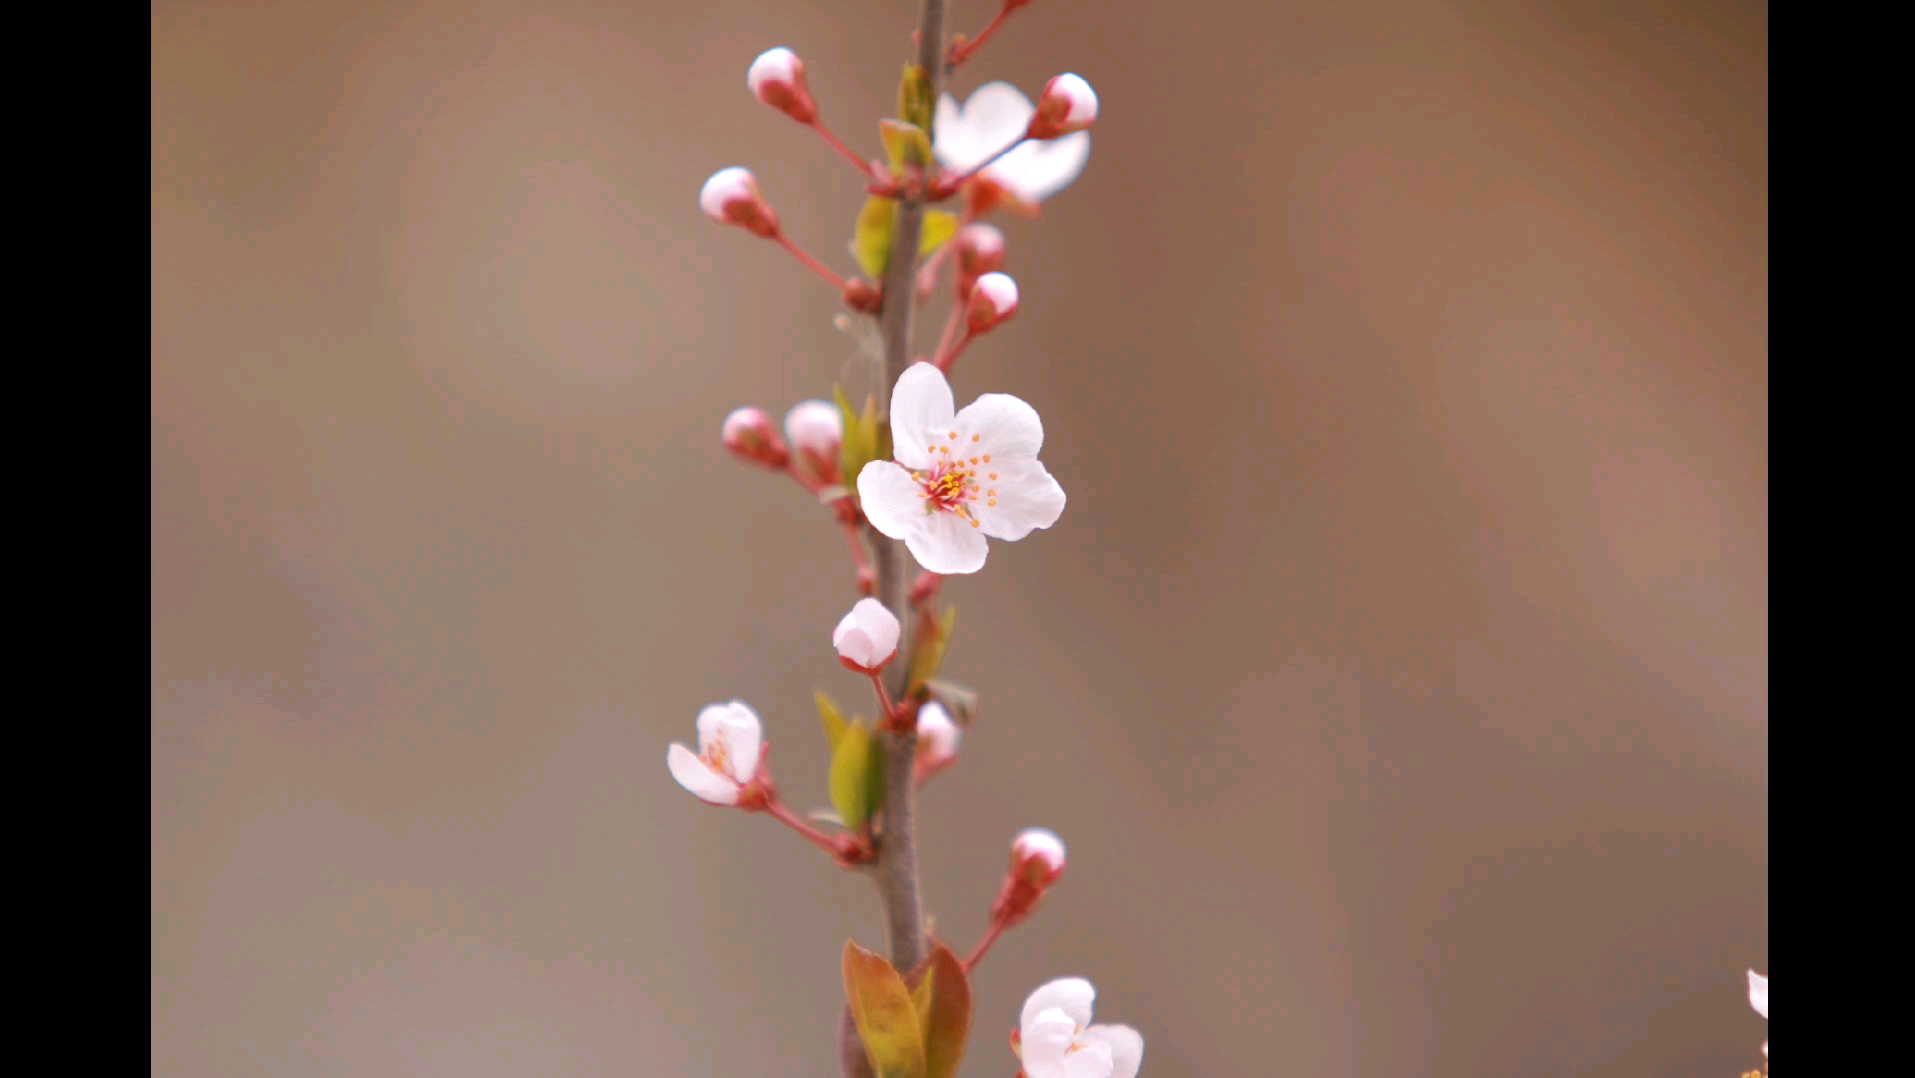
945	360
990	936
948	186
863	166
816	266
867	577
963	52
777	811
884	698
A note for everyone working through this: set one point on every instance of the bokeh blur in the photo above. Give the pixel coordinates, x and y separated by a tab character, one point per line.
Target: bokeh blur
1397	672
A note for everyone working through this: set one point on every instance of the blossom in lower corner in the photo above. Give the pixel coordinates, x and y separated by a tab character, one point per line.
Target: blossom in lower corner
1055	1038
958	476
1759	999
725	766
996	115
867	637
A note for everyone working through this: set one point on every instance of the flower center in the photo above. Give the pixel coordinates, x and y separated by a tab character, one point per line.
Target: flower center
949	488
717	757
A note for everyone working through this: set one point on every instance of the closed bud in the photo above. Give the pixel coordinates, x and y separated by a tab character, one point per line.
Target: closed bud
1068	105
815	430
938	739
777	78
749	435
980	250
993	300
731	197
1037	857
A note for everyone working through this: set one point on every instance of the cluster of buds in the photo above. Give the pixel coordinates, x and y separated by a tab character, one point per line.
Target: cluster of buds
808	451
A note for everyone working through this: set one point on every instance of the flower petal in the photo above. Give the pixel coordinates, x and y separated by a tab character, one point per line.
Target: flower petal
1027	497
1126	1048
1072	995
1759	993
853	643
693	775
946	544
1088	1061
1036	171
737	726
921	411
996	114
1045	1039
1007	428
892	501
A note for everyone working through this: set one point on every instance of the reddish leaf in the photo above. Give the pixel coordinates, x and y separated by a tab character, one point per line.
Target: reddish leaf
886	1020
946	1016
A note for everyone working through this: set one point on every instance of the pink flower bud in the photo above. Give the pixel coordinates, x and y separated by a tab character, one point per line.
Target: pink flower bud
1068	105
867	637
777	78
731	197
815	430
748	433
1037	857
938	739
993	300
980	250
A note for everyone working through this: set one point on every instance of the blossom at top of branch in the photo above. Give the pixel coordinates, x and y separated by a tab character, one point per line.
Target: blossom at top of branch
958	476
1055	1038
996	115
777	78
726	764
1067	106
867	637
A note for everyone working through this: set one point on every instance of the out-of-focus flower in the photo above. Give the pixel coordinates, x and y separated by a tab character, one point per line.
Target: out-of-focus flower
980	250
777	78
938	739
867	637
1055	1038
1759	999
731	197
993	301
815	430
1067	106
726	763
996	115
958	476
749	435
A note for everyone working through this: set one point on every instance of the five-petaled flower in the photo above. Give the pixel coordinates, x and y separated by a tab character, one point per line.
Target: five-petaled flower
958	476
996	115
1056	1040
724	770
867	637
1759	999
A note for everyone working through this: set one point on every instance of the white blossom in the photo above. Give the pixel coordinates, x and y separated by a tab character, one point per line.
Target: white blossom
996	115
729	737
1056	1039
867	637
958	476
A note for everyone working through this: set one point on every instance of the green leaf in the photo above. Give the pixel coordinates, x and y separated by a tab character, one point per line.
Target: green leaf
866	437
881	1008
833	719
927	658
914	98
857	775
942	995
939	227
871	239
904	144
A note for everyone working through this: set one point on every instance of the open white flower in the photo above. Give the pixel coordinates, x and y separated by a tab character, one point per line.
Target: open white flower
867	637
958	477
1759	999
996	115
1056	1040
727	759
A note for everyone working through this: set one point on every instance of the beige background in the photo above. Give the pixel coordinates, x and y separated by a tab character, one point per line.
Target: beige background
1397	672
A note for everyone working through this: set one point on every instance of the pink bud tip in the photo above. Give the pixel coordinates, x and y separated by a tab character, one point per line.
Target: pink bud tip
938	736
1068	105
1037	857
749	435
993	300
815	430
777	78
731	197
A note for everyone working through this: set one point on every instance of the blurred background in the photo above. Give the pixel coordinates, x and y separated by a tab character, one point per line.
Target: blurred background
1397	673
